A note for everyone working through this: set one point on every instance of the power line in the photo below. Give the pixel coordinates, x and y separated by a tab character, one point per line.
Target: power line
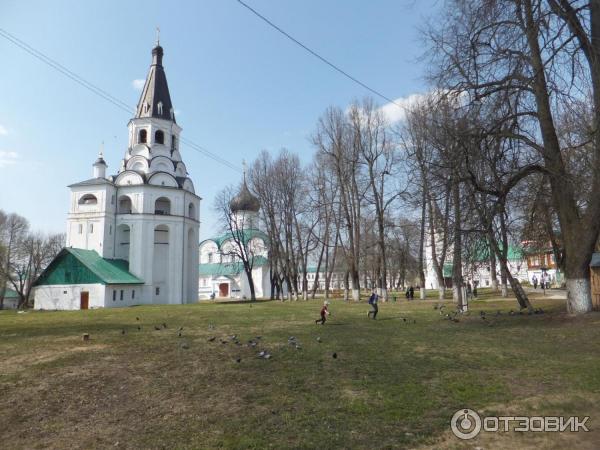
316	55
102	93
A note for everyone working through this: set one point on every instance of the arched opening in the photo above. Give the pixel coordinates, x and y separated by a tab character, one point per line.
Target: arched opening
123	242
142	137
159	137
125	205
173	143
191	211
88	199
162	206
160	264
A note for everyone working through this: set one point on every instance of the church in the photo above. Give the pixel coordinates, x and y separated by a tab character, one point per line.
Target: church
222	274
132	237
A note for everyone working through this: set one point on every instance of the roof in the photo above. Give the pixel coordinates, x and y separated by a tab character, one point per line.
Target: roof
9	293
247	235
91	182
245	200
226	269
155	91
514	253
79	266
595	262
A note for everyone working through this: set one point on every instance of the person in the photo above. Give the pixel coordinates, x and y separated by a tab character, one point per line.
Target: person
534	281
475	289
411	292
373	302
407	294
324	313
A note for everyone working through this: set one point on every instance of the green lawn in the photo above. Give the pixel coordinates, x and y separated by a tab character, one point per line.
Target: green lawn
394	384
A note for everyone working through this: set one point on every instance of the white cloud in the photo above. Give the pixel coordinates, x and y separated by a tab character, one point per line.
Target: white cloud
396	112
3	130
138	84
8	158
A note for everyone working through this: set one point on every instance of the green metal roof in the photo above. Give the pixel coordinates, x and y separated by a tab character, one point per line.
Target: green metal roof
514	253
447	270
247	236
225	269
10	294
79	266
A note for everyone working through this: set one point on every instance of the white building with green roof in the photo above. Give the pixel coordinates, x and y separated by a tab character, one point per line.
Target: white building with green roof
132	237
221	273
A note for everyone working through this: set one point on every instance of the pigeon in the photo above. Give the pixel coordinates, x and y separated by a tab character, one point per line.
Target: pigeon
238	360
223	341
511	313
211	339
262	353
137	318
179	334
156	328
482	313
319	339
180	329
139	328
436	306
267	356
185	345
298	347
334	355
123	331
164	325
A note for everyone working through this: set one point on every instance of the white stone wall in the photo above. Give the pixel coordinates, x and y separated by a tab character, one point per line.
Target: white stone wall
67	297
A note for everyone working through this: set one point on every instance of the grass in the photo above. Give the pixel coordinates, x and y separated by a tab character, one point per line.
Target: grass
394	384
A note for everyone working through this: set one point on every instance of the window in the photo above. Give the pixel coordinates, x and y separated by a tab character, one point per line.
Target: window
159	136
80	228
121	295
159	107
157	290
132	294
88	199
162	206
210	258
91	228
173	143
114	295
143	137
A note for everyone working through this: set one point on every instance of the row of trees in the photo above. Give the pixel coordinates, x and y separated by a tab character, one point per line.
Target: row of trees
504	150
24	254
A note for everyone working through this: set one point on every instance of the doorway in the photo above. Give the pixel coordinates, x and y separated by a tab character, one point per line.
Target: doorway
224	290
84	300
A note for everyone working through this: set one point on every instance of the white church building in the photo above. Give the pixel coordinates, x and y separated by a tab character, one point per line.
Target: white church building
132	238
222	274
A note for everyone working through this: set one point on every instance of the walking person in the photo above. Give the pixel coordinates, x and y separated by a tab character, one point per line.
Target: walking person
324	313
373	302
534	281
411	292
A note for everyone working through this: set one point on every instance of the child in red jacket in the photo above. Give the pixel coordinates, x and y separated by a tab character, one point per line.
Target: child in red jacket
324	313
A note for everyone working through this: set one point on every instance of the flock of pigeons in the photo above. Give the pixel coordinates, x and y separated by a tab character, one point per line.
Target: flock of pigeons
452	316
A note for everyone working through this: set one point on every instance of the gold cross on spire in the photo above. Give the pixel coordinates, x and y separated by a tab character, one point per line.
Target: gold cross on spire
157	36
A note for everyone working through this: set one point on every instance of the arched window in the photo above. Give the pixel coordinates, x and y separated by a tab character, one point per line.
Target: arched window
125	206
191	211
88	199
162	206
143	137
173	143
159	137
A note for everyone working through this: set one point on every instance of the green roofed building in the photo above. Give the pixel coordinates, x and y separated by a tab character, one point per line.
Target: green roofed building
11	299
81	279
221	272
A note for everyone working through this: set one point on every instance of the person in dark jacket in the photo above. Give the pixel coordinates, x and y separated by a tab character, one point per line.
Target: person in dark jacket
374	308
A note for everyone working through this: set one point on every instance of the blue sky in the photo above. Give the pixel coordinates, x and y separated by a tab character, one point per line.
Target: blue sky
238	86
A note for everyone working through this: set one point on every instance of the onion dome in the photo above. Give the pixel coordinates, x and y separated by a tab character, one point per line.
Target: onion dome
244	201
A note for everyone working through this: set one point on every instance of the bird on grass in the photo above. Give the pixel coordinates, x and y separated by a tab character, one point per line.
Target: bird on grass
211	339
334	356
137	318
185	345
238	360
156	328
179	334
319	339
139	328
164	325
123	331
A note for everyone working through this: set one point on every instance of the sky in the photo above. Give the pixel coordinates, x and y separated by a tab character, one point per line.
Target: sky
238	87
